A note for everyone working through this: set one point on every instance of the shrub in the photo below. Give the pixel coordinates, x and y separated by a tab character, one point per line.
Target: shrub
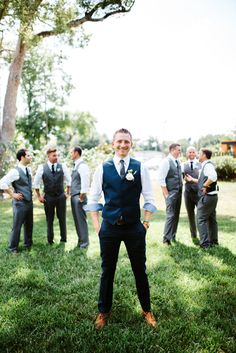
225	167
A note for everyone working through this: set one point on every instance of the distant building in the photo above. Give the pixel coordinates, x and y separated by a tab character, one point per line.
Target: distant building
229	146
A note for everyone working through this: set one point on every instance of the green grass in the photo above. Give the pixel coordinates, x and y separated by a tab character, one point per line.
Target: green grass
48	297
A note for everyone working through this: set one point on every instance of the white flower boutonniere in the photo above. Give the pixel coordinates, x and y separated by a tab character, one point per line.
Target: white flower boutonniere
58	169
130	175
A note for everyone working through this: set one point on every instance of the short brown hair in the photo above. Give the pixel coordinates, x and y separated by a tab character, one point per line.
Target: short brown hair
207	152
50	150
173	146
122	131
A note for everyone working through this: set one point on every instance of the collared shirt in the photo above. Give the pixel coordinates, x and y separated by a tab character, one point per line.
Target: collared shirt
39	174
195	164
84	173
12	176
164	169
96	187
210	172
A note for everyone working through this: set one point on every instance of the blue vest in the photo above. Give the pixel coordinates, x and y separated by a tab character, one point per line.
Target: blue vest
121	195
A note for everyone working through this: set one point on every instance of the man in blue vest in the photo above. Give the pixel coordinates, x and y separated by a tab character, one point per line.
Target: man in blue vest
54	175
21	194
122	180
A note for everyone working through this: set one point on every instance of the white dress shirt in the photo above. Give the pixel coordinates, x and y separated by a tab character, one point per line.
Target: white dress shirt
210	172
164	169
84	173
12	176
39	174
96	187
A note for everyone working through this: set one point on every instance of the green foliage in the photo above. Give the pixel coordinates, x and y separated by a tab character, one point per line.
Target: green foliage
212	141
225	167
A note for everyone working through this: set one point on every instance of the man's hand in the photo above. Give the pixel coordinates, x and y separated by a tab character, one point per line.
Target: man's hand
17	196
41	199
82	197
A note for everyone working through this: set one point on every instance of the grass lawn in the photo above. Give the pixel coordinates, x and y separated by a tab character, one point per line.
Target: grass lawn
48	299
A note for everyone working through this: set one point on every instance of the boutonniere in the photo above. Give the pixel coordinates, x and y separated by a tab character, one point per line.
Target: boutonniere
58	169
130	175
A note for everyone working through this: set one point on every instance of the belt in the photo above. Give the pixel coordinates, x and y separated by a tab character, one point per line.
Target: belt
121	222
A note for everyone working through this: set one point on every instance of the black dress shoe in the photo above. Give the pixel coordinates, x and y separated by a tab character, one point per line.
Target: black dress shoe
167	242
51	242
63	240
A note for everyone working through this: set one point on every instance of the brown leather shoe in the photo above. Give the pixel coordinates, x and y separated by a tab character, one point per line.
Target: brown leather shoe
101	320
150	319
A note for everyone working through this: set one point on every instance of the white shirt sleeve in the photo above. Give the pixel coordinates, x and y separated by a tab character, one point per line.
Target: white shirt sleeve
9	178
84	172
38	177
67	176
95	191
163	171
149	200
210	172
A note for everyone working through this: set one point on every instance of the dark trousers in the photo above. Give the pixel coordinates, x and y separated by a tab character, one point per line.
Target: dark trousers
173	204
191	201
206	220
22	215
134	237
51	204
80	219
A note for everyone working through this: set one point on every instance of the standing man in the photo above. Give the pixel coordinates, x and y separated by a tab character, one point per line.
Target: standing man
170	179
122	180
21	181
80	181
208	198
191	167
53	175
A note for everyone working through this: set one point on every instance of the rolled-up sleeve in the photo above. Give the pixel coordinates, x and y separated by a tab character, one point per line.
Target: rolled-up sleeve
149	200
163	171
95	192
9	178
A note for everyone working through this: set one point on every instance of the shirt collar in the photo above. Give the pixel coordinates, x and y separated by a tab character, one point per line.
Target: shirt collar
78	161
117	159
50	164
21	166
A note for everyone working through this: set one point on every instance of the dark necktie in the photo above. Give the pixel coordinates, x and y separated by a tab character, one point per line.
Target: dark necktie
177	164
53	169
191	165
122	168
27	172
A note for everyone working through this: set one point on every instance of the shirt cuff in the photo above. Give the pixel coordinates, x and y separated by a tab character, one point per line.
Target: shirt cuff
93	207
149	207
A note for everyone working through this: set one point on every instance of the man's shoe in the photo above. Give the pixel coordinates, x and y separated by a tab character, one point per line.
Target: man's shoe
101	320
167	242
150	319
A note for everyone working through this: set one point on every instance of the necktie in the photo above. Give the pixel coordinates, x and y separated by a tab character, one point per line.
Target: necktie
53	169
27	172
191	165
177	164
122	168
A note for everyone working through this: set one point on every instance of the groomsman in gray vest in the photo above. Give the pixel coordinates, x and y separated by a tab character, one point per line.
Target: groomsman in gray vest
170	179
80	181
21	194
191	167
208	198
54	175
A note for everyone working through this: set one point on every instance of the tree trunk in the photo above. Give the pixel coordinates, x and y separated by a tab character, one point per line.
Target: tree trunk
9	108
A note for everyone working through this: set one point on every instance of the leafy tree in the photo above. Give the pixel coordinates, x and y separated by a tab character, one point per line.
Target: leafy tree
45	86
34	20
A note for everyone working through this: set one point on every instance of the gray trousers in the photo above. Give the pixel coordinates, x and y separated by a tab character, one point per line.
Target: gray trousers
173	204
191	201
51	204
206	220
22	215
80	219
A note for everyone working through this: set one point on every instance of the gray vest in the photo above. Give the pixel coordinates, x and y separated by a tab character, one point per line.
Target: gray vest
190	186
53	183
202	180
76	181
174	180
23	185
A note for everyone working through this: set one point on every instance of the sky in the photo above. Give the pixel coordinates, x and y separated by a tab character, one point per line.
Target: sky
166	69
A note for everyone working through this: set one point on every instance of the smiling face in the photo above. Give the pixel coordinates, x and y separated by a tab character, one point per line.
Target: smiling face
53	157
122	144
25	160
191	153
